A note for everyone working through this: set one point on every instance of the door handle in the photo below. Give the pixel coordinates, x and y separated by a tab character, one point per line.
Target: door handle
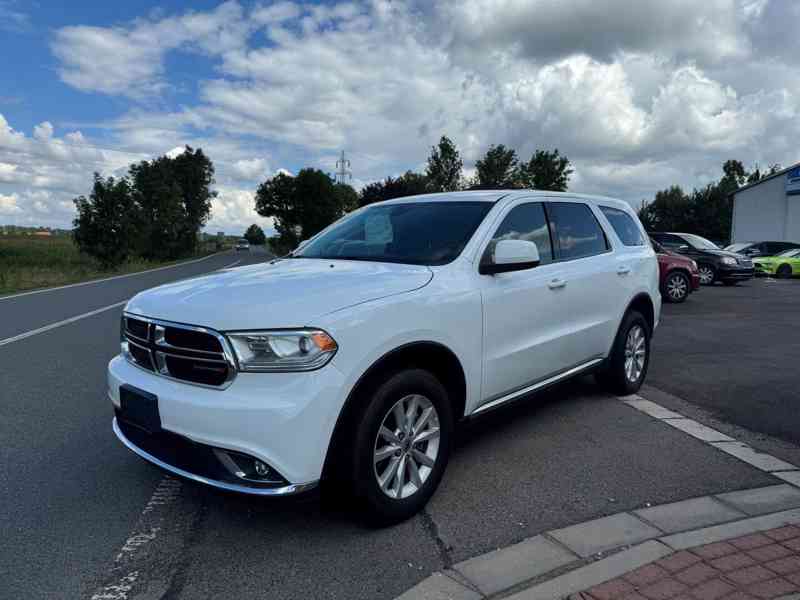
623	270
557	284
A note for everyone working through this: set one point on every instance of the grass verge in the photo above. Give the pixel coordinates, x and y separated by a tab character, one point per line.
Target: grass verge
30	262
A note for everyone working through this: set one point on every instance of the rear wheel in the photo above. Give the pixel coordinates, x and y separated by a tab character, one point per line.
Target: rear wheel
784	271
707	274
626	367
676	287
402	446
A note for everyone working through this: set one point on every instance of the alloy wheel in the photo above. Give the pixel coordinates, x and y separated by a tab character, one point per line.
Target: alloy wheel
706	275
407	446
635	353
677	287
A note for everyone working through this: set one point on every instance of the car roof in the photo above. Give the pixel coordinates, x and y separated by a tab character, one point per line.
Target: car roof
508	195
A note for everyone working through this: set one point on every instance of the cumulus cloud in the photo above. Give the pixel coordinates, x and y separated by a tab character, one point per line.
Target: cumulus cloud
639	95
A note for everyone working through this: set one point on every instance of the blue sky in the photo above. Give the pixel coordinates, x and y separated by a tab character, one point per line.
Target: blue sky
639	96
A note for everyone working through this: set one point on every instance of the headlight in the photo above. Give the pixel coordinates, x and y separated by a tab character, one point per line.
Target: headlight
282	351
694	266
728	260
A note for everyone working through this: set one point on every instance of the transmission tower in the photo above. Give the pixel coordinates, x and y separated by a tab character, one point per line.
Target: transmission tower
343	172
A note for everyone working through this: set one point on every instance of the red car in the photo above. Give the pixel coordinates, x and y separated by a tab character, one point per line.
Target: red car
678	274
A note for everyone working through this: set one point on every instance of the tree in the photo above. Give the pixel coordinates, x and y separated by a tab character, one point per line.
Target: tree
193	171
255	235
545	171
346	197
496	170
301	206
669	211
408	184
174	200
105	227
444	166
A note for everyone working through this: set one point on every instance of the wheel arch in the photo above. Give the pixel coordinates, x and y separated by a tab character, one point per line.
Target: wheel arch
644	305
434	357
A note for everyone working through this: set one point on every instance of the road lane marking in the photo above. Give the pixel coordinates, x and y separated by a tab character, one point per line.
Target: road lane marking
33	332
82	283
91	313
718	440
145	532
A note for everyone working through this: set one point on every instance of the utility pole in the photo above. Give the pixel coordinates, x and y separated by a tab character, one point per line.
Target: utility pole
343	172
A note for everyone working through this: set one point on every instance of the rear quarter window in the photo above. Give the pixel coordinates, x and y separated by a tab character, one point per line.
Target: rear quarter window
624	226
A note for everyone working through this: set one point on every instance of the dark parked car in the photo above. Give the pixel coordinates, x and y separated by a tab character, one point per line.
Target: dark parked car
761	248
713	263
678	275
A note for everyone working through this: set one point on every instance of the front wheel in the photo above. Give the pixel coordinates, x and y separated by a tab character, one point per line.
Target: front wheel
707	274
626	367
676	287
402	446
784	271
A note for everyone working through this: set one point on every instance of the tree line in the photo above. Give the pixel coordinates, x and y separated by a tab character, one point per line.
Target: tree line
706	211
154	212
304	204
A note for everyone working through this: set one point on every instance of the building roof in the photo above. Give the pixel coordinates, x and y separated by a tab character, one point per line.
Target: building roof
767	178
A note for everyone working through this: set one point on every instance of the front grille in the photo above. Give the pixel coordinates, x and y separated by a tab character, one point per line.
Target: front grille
192	354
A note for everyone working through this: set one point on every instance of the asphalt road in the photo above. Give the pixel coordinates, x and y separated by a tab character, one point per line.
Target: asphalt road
736	352
75	499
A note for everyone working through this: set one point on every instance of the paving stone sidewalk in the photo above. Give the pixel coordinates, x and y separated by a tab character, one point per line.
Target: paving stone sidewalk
763	565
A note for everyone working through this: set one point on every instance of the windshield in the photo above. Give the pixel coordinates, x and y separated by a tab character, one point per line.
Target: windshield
699	242
737	247
420	233
794	252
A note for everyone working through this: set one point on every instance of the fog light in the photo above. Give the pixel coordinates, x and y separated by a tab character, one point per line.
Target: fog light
262	470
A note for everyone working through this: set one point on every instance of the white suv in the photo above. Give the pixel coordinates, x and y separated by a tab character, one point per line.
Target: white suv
352	359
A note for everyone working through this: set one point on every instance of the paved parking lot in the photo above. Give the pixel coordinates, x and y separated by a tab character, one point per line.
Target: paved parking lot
736	352
87	515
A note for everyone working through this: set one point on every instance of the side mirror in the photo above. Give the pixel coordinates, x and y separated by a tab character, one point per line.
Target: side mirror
511	255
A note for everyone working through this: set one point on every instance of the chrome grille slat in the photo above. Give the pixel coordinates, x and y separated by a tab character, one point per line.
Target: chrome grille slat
220	367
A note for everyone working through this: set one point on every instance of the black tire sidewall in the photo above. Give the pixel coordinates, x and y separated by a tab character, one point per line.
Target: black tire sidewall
666	287
783	271
380	509
614	376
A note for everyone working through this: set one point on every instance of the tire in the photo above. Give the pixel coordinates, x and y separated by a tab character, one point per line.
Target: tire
708	274
676	287
376	454
784	271
615	375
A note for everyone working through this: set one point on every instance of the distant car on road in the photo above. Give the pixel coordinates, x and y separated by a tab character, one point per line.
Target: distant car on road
679	276
351	359
753	249
243	244
784	265
713	263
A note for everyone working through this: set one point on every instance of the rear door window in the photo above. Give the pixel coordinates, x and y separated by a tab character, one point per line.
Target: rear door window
576	231
624	226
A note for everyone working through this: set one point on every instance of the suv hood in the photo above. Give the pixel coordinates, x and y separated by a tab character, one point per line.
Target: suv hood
280	294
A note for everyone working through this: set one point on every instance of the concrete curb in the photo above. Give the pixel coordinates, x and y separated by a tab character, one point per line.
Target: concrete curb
563	561
596	551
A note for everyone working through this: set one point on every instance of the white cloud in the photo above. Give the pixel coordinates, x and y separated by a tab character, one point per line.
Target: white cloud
8	204
638	94
254	168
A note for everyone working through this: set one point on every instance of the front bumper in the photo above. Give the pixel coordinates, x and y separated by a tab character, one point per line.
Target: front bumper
285	420
735	273
695	281
202	465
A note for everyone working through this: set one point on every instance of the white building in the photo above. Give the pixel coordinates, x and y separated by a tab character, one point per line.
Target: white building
768	210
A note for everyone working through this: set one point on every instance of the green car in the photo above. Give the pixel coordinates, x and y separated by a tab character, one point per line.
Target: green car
785	264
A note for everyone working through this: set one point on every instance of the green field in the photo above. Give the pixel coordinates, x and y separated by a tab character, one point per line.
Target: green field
30	262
